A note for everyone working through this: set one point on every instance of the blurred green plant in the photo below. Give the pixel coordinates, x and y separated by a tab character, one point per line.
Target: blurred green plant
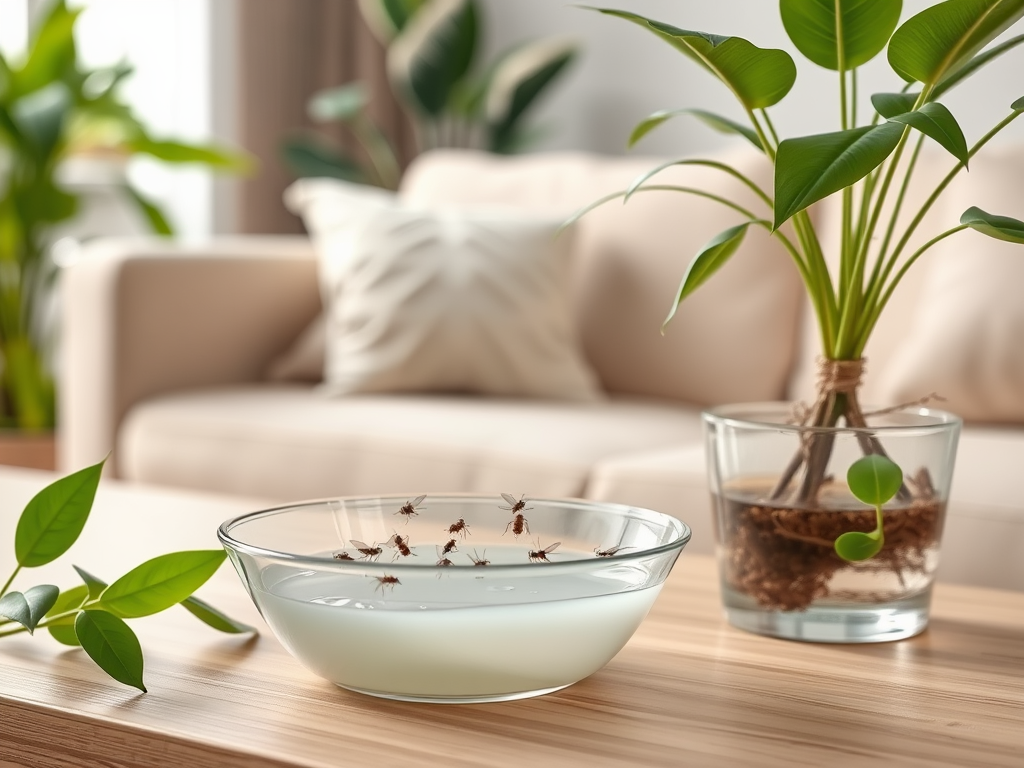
52	107
431	49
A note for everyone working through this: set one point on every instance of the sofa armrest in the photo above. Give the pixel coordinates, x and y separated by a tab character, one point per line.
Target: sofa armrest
141	317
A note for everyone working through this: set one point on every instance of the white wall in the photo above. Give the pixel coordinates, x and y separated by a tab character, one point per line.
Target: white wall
626	73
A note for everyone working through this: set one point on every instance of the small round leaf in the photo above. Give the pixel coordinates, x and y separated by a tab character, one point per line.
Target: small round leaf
874	479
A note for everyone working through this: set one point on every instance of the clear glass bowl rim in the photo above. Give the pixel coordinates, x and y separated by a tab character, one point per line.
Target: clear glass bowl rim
738	415
320	563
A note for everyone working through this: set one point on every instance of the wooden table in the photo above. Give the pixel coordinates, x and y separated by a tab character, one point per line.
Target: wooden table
687	689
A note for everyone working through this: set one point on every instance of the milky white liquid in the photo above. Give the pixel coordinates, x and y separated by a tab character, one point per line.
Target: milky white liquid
402	641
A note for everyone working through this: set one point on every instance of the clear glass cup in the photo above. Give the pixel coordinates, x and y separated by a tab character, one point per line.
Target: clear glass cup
454	598
779	573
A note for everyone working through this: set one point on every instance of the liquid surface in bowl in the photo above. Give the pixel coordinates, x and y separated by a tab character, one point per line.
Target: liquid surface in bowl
492	635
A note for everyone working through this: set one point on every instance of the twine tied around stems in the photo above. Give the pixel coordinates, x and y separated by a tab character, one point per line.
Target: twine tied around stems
834	377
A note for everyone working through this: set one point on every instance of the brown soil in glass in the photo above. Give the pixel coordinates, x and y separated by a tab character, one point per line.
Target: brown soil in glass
783	557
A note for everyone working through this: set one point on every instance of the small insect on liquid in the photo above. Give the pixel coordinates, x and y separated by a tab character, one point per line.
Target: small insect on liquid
442	559
459	528
608	552
385	583
541	555
408	509
451	546
343	556
518	526
479	559
515	507
401	544
368	552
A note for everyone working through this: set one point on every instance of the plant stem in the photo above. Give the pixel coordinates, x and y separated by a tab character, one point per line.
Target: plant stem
725	168
10	581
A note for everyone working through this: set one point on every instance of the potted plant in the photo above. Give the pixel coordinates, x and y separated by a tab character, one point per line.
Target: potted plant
431	48
51	109
788	486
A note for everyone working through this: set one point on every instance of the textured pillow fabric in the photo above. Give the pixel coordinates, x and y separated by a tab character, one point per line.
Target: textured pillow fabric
452	301
966	339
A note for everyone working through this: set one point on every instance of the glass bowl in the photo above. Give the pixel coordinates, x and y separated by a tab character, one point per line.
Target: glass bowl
454	598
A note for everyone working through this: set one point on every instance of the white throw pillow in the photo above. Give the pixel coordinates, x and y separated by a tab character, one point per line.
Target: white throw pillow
444	301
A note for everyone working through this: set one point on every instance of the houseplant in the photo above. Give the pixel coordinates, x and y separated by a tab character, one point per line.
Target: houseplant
52	108
780	573
431	50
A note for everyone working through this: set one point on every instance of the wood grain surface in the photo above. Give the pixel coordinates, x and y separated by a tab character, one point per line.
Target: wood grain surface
687	690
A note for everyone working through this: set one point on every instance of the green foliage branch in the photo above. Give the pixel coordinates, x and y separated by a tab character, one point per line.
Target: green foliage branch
92	614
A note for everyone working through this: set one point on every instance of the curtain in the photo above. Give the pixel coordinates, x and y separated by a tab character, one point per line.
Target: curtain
286	52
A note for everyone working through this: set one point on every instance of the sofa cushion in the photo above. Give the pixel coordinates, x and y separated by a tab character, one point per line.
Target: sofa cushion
733	340
291	442
983	538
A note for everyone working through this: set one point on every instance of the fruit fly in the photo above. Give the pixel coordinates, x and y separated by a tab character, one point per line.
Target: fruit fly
368	552
608	552
386	582
400	543
518	525
343	556
409	508
539	555
515	506
451	546
478	559
459	528
443	561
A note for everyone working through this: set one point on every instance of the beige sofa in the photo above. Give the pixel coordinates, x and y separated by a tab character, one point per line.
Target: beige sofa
167	348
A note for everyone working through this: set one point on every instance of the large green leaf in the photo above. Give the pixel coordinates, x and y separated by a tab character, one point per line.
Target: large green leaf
342	103
433	53
937	42
213	617
516	82
52	52
150	211
719	123
55	516
892	104
955	78
937	123
40	118
386	18
865	25
760	77
95	584
810	168
311	158
112	645
999	227
708	260
179	152
28	607
159	583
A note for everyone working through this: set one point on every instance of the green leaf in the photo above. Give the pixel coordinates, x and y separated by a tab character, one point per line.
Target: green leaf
159	583
940	40
52	53
310	158
708	260
63	630
386	18
759	77
954	78
810	168
719	123
892	104
215	618
180	152
433	53
112	645
874	479
28	608
40	118
152	213
54	518
518	79
1018	105
95	585
999	227
343	103
855	546
938	123
866	26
